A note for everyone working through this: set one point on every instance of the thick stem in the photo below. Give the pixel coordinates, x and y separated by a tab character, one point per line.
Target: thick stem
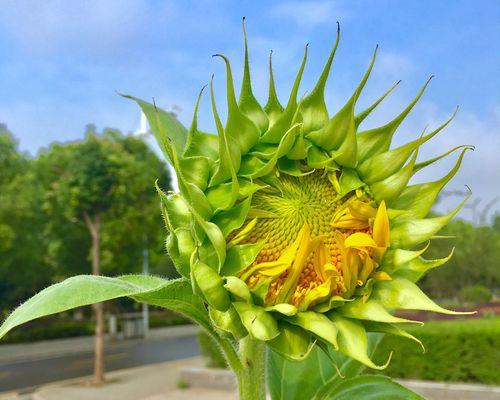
252	375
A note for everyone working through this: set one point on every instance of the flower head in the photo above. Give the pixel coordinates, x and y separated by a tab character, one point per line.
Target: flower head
295	226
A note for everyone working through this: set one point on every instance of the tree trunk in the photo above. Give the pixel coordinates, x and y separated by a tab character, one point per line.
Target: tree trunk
94	227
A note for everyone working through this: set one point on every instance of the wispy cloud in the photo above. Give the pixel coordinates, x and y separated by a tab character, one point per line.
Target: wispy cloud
308	14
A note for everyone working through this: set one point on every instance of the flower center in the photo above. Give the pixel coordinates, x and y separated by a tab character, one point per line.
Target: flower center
305	258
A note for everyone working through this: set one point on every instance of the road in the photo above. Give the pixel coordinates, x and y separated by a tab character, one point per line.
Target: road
125	354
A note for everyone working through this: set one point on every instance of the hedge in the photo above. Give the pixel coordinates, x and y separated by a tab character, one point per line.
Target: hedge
458	351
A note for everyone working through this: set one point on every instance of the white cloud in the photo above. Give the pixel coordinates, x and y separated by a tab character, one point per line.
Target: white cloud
308	14
52	25
394	65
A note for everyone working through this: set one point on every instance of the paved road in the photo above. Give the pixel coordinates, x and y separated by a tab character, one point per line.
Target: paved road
126	354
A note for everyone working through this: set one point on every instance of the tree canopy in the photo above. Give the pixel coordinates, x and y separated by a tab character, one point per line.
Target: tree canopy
43	237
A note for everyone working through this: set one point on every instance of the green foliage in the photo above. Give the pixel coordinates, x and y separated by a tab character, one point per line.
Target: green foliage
369	387
51	329
42	236
319	370
83	290
476	294
474	262
23	266
460	351
210	351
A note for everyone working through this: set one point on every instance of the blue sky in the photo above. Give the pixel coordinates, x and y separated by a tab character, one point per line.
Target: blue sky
61	63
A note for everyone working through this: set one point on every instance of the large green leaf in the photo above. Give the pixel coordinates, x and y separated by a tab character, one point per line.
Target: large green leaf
88	289
292	380
369	387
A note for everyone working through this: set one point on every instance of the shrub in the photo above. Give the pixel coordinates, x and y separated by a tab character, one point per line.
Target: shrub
462	350
475	294
210	351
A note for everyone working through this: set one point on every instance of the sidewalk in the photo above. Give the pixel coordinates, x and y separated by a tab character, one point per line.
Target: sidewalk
59	347
152	382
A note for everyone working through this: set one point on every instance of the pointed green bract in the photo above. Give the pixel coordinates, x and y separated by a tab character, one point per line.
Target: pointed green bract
402	293
248	104
314	112
284	121
359	118
378	140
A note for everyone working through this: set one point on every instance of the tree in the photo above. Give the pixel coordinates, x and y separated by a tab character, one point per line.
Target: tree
22	248
101	182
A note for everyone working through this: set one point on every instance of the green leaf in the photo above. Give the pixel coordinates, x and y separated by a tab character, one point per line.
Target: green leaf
165	127
409	233
273	108
370	387
362	115
391	329
352	340
228	321
76	292
284	120
255	168
247	103
229	158
259	323
317	324
416	268
402	293
319	370
238	125
239	257
292	380
378	140
339	133
392	186
383	165
195	170
232	219
293	342
314	112
211	285
177	295
199	143
369	310
238	288
418	199
213	233
218	195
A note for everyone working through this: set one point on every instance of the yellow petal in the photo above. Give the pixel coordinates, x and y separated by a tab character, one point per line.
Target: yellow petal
243	233
315	295
382	276
367	269
359	239
305	247
381	226
362	210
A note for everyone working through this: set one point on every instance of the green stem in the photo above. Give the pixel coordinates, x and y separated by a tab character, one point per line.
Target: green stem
252	375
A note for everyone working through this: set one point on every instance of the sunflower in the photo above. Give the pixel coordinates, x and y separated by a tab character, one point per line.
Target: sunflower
296	227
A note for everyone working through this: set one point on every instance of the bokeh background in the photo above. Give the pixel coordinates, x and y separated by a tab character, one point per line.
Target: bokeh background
61	66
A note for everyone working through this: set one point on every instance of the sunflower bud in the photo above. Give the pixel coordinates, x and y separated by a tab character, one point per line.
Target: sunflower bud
303	226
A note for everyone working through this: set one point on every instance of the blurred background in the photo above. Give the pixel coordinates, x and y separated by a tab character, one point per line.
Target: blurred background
77	160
